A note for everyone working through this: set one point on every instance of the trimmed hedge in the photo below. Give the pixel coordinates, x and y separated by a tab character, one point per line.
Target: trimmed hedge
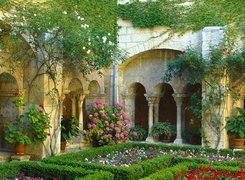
100	175
169	173
140	170
9	170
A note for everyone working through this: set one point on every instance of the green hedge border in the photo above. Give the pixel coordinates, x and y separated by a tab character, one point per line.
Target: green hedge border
140	170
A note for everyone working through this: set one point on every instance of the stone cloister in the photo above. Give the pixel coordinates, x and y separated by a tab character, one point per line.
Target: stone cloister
140	88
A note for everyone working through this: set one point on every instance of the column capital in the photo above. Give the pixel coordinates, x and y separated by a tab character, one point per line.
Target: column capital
178	97
150	98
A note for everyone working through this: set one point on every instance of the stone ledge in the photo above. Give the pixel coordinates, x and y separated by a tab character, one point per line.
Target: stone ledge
20	158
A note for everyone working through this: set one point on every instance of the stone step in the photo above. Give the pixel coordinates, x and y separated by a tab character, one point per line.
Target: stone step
5	156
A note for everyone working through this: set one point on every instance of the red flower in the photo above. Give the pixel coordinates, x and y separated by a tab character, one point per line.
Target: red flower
183	53
16	93
44	122
49	134
40	111
234	86
41	106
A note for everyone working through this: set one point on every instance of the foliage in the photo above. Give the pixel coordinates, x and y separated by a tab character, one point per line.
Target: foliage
188	134
209	173
107	126
9	170
163	128
221	75
29	127
150	166
141	133
236	123
69	128
183	15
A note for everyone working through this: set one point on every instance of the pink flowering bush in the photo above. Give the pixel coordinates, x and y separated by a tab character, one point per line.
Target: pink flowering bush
106	125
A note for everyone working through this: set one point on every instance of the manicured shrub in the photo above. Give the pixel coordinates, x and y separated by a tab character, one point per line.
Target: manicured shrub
100	175
9	170
49	171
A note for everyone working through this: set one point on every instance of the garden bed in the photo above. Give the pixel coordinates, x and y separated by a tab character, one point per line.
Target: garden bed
139	160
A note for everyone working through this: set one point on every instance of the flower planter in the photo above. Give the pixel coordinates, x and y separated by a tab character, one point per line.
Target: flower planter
238	143
63	145
20	149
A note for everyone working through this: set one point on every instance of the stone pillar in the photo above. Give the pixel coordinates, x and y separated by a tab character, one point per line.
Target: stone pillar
73	106
156	109
81	99
178	99
150	100
129	102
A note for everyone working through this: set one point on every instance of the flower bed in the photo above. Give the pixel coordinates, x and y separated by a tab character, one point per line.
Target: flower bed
134	155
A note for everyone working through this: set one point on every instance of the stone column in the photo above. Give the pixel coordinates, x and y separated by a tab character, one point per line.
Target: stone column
156	109
73	106
150	100
129	102
81	99
178	99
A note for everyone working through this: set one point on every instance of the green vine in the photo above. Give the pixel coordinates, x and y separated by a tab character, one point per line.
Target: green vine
182	17
221	76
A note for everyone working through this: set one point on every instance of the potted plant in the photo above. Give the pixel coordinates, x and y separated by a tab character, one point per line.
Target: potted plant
69	129
235	125
163	128
192	136
27	128
141	133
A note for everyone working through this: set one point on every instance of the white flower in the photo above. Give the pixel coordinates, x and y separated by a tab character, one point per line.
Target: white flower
88	51
89	43
64	12
84	47
81	19
110	43
104	39
109	34
76	12
78	17
35	14
1	30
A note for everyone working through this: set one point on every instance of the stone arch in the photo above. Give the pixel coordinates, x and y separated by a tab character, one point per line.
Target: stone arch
94	87
146	68
71	103
8	111
139	104
166	105
191	124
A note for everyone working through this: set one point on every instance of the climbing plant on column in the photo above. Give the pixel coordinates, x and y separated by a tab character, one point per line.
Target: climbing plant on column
221	76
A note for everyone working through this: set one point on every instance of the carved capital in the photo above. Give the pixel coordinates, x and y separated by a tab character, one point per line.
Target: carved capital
178	97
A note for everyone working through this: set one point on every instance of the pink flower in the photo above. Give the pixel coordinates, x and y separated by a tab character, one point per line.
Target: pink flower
112	142
135	134
104	116
119	123
122	136
127	128
125	133
100	106
117	104
183	53
109	136
93	126
112	125
117	129
126	121
95	120
96	114
89	125
99	101
108	129
117	135
124	115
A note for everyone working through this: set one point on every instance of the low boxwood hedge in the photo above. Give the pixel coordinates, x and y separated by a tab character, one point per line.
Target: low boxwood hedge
10	170
100	175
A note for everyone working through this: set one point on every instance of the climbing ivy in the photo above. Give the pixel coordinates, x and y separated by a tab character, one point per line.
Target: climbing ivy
185	15
221	76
